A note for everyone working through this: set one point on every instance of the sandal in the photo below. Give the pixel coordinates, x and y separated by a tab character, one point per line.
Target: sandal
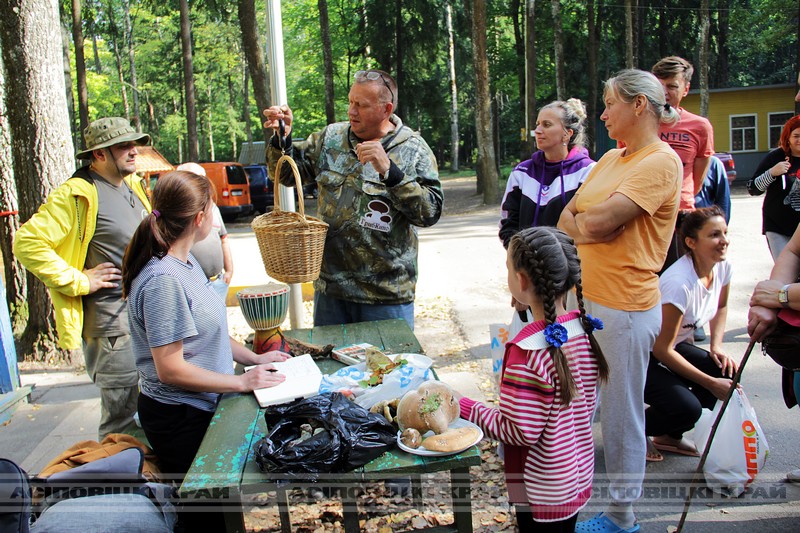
600	523
653	455
683	447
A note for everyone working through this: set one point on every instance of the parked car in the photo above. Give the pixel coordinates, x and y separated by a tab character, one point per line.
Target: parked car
260	187
730	168
232	188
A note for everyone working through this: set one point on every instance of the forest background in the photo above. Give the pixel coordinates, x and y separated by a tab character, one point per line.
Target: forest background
472	75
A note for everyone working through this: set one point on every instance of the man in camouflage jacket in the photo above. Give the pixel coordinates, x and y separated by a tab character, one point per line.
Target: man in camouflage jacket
377	180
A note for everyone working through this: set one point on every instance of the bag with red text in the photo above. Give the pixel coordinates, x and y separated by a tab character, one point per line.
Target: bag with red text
739	450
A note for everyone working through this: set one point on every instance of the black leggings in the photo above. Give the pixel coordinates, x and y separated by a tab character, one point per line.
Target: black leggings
675	402
526	523
175	433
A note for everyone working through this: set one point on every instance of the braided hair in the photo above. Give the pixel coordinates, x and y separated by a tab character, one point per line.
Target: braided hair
550	260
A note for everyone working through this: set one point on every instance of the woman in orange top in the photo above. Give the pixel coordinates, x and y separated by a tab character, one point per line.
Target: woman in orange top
622	220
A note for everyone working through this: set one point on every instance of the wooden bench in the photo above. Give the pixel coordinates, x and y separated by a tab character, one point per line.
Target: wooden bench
225	466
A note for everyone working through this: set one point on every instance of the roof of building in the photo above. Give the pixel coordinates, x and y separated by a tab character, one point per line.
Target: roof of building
150	160
253	153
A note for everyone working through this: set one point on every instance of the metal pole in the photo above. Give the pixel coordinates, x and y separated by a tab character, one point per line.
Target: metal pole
277	74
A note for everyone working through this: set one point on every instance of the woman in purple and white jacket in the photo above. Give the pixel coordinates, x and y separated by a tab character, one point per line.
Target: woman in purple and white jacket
539	188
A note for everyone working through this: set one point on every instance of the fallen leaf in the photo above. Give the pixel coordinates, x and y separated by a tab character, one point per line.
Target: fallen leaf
500	518
419	522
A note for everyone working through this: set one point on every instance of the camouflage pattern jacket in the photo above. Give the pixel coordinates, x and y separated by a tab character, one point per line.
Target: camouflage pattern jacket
371	247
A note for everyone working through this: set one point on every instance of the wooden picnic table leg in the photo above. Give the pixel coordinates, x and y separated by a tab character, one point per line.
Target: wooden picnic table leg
232	511
462	499
350	511
416	490
283	509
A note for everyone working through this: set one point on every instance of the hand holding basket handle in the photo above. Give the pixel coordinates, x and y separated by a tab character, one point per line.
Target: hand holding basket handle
277	114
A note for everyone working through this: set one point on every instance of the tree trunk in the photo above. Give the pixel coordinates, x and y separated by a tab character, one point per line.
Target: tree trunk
558	48
80	67
591	105
76	133
151	115
530	74
98	67
399	75
721	69
327	60
487	169
638	29
663	29
192	148
9	221
628	33
255	59
246	105
114	35
211	151
41	146
702	73
451	60
136	120
518	20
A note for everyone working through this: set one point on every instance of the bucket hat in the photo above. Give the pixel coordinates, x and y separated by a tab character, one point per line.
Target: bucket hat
106	132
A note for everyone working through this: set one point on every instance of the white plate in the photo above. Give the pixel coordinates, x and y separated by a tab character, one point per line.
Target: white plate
458	423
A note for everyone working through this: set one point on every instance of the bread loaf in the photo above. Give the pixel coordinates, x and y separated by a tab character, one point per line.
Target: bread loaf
451	440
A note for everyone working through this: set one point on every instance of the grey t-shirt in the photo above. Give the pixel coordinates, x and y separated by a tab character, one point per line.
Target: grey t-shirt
119	213
209	251
172	301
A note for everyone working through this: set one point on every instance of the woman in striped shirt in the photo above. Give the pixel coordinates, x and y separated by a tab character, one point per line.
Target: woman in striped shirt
179	325
548	389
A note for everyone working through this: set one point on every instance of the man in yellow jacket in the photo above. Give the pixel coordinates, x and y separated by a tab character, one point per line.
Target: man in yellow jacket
75	244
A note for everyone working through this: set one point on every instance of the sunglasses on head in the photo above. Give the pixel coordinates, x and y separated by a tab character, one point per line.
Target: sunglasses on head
371	75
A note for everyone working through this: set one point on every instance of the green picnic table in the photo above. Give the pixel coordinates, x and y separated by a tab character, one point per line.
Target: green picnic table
225	467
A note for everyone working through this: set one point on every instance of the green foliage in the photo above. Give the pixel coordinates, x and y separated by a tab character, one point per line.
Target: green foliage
407	38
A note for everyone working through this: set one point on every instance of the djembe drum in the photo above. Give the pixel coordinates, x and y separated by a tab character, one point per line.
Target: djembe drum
264	308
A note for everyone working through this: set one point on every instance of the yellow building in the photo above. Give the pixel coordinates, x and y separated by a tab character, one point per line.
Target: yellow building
747	121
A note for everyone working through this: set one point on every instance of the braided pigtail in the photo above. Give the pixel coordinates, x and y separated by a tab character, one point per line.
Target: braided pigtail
538	252
568	388
589	325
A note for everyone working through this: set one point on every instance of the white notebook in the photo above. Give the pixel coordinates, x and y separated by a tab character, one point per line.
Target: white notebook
303	378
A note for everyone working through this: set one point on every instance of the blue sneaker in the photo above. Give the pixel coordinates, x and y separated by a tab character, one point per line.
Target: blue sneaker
600	523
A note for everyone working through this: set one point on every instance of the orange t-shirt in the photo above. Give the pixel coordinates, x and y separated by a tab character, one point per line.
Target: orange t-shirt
621	274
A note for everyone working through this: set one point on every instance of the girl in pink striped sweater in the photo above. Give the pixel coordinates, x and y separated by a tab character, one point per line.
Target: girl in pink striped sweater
548	388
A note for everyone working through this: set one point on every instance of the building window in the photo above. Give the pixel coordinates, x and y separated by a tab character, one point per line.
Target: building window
743	133
776	122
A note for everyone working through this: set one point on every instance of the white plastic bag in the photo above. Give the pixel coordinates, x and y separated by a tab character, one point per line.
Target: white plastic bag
739	450
395	384
499	335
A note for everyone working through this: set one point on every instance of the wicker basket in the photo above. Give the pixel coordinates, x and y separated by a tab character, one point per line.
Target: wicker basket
291	244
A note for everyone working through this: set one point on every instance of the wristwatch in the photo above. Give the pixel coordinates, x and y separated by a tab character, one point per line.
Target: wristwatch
783	296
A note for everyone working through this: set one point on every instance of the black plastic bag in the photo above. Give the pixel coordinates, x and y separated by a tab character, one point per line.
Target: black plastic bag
351	436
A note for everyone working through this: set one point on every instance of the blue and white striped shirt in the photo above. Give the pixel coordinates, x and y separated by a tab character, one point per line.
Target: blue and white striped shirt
170	301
